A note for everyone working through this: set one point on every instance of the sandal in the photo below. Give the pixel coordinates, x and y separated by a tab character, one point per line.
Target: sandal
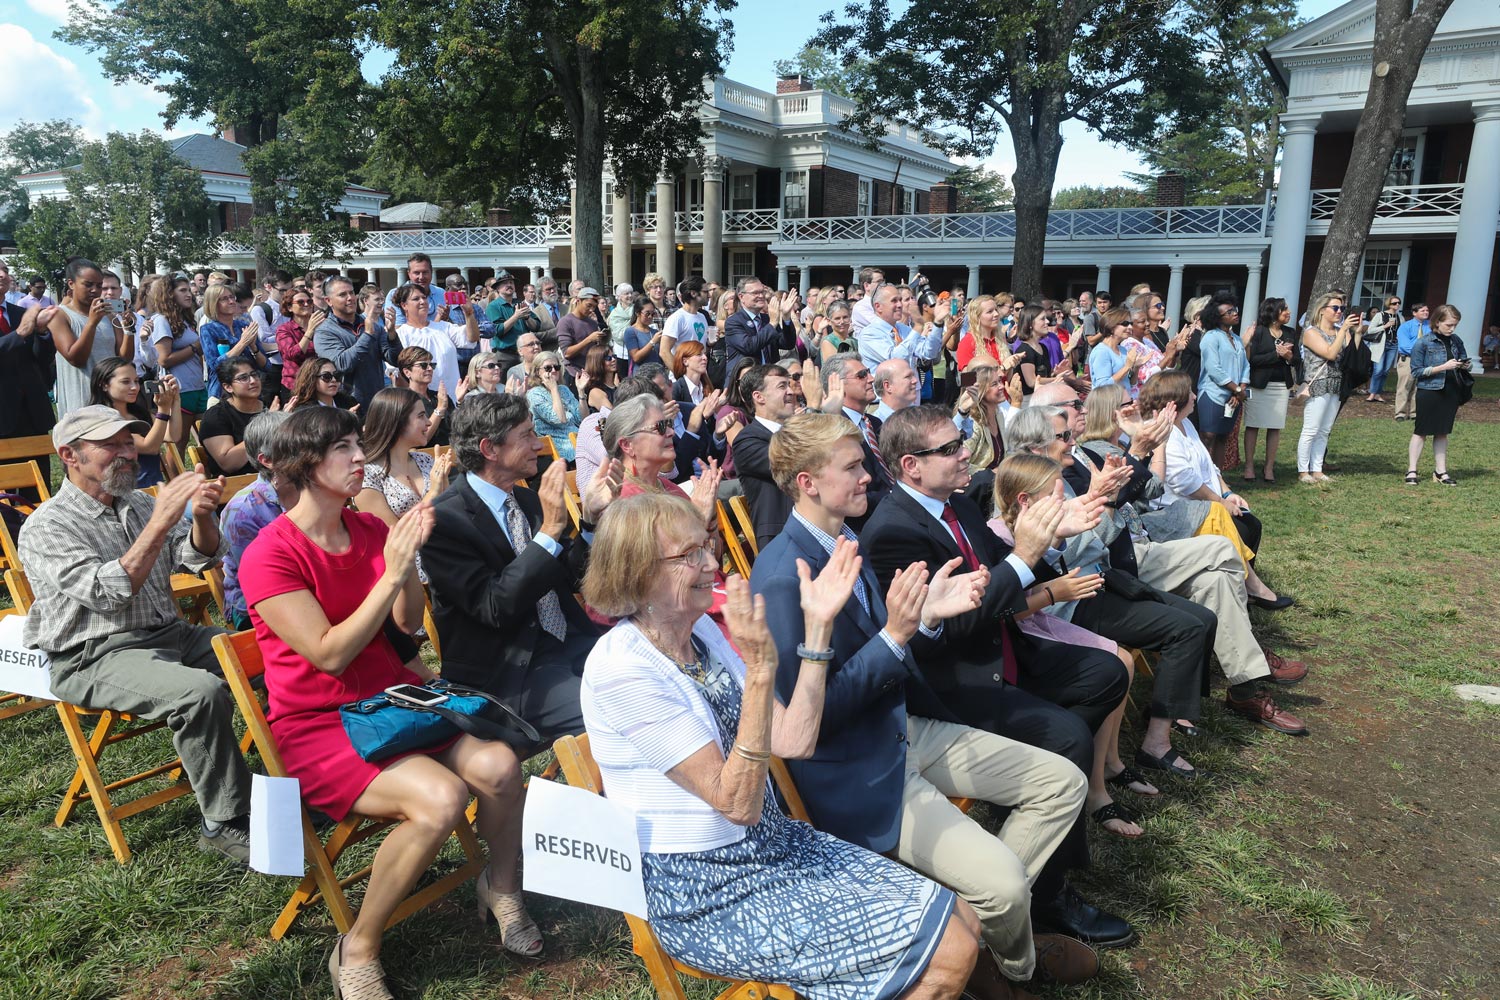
356	982
1444	478
1113	810
1128	777
1412	478
518	932
1168	762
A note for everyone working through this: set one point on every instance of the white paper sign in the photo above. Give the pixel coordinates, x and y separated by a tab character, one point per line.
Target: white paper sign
581	846
23	670
276	825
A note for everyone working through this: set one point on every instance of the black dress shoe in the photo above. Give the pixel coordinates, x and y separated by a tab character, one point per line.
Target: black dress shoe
1070	914
1282	601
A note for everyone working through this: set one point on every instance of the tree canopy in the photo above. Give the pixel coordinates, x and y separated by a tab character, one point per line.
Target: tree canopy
29	148
1100	196
982	190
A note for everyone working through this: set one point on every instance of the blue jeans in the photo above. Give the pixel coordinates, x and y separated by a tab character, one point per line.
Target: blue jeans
1383	366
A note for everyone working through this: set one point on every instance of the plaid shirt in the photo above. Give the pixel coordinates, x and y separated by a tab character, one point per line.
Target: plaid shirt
71	548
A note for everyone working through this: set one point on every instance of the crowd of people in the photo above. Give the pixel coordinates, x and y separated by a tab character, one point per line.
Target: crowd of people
978	512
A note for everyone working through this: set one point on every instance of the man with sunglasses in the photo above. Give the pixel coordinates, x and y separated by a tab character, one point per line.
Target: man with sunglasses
1045	694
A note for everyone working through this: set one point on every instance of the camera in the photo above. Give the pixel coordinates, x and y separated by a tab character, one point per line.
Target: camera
152	386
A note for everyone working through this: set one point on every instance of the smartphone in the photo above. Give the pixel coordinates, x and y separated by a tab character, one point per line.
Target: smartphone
152	386
416	694
455	297
116	306
952	307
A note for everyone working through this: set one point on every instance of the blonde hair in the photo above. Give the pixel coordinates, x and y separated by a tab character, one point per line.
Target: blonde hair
974	308
1022	472
1099	422
805	444
1315	314
533	379
212	296
1194	307
653	279
625	559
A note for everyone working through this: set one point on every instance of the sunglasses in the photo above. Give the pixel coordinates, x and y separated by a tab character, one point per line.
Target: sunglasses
490	366
660	427
328	377
1337	309
1076	404
863	373
947	449
422	364
1066	437
550	368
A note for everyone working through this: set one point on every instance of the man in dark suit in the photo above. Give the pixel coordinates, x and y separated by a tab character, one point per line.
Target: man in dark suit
1046	694
889	753
502	570
768	391
758	330
26	354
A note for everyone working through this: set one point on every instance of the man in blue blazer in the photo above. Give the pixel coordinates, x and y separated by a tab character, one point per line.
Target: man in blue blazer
753	331
889	755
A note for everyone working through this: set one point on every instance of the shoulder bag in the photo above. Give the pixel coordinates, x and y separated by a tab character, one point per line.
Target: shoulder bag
382	726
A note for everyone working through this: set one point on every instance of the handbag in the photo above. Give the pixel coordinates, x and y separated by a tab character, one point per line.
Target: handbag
381	726
1462	376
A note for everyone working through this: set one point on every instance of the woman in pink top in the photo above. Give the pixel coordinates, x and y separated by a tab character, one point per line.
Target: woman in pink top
320	583
294	337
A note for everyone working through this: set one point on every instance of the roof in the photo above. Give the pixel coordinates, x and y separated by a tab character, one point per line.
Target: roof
423	212
211	153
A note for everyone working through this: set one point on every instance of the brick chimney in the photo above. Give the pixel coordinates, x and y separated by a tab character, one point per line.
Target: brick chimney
232	134
792	85
497	218
364	222
1171	189
942	199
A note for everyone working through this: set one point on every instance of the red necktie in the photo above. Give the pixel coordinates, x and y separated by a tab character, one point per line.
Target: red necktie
4	320
971	563
875	448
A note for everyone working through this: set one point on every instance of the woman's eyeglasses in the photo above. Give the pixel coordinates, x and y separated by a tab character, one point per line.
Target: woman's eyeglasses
550	368
490	366
248	377
698	555
947	449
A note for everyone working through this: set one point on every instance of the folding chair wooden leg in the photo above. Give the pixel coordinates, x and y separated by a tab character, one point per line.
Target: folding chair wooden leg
12	705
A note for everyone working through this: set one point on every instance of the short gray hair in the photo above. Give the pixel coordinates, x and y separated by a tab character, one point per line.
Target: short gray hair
838	363
1031	430
260	435
629	417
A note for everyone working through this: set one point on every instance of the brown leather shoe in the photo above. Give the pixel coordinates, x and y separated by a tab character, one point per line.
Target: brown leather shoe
987	983
1284	672
1065	960
1260	708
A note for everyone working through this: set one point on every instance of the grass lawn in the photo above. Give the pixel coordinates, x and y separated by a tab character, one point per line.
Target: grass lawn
1361	863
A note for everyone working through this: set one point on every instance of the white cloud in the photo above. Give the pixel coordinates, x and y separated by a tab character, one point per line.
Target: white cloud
57	10
65	92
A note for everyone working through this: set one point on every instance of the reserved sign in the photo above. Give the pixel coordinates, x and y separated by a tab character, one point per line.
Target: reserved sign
23	670
581	846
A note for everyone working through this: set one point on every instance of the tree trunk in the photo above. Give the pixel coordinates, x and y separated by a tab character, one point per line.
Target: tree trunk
1036	171
1268	155
1400	43
588	217
262	202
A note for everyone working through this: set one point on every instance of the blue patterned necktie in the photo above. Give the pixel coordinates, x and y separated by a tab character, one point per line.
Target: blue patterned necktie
548	609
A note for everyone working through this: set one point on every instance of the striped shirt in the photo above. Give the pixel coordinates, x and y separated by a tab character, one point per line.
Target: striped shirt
71	549
644	717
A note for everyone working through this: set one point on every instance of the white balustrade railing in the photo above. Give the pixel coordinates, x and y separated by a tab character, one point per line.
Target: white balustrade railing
745	221
1079	224
688	223
1398	201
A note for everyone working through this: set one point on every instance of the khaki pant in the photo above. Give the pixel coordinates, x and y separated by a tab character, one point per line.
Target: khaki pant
1209	571
1406	389
994	874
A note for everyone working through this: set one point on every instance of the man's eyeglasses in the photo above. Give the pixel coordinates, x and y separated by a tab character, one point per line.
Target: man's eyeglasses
1075	404
795	377
947	449
862	374
660	427
1066	437
698	555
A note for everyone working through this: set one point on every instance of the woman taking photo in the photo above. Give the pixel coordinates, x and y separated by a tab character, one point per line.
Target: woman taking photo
320	582
1381	336
1223	376
83	334
318	384
1440	364
397	475
417	366
643	335
684	726
1273	358
554	409
1331	329
440	339
294	337
690	365
984	337
178	349
227	332
116	385
603	371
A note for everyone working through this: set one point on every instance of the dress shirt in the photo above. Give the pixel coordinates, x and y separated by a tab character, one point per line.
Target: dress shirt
877	343
1224	361
862	314
773	425
883	412
495	499
935	508
827	541
1409	333
71	548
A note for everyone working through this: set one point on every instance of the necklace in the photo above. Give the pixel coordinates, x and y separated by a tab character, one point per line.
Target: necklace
692	668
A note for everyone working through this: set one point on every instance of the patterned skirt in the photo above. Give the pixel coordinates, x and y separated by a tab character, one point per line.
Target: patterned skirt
788	904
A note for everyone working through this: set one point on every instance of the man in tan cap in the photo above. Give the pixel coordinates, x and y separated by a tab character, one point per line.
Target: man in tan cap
100	557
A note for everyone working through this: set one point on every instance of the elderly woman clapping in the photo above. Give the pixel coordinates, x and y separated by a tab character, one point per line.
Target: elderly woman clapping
683	728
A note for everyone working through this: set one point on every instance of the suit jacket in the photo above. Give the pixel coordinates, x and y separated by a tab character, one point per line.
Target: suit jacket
25	363
769	507
484	595
964	668
1078	477
880	483
854	781
762	344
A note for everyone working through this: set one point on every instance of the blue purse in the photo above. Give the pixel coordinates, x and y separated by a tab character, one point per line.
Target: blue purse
381	726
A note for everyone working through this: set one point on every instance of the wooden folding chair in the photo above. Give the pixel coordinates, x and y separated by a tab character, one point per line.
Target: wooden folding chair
573	440
735	549
429	623
195	457
572	500
171	461
550	448
241	660
13	477
12	705
740	508
233	484
579	768
88	784
22	449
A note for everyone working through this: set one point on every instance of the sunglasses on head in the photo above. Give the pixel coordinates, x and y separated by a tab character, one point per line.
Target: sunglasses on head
947	449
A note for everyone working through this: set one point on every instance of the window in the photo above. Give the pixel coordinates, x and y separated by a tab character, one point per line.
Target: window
862	203
695	194
1379	276
741	265
643	200
908	201
741	192
1403	168
794	195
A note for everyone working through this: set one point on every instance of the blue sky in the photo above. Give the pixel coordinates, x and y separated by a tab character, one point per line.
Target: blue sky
45	79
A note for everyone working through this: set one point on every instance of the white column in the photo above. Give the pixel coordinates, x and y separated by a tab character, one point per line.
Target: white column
1474	246
400	276
804	279
547	271
713	219
973	289
912	270
1250	309
1101	282
781	279
620	238
1174	295
1293	203
666	233
854	274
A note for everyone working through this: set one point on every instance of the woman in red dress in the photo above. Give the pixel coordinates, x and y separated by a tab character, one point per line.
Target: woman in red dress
320	583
